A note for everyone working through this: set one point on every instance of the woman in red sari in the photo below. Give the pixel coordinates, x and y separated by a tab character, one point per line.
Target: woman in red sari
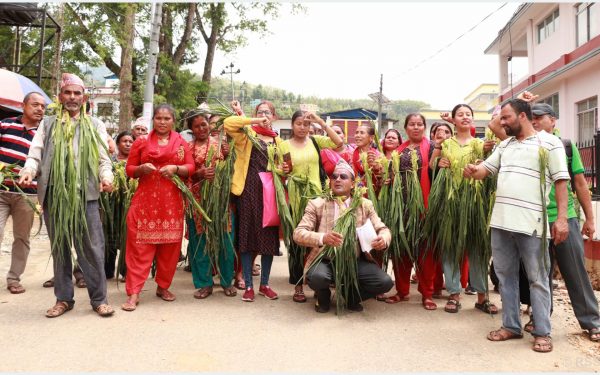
415	125
155	217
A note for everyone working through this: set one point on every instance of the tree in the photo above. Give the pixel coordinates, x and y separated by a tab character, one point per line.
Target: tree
125	76
226	25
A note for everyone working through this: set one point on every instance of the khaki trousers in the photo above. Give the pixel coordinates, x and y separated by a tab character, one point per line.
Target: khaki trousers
22	217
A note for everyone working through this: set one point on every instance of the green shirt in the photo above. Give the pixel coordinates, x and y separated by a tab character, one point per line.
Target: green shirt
577	168
305	160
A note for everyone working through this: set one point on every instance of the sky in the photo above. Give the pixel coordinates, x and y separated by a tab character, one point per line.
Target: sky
339	49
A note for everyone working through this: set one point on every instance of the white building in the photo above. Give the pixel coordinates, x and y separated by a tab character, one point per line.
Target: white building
561	42
104	101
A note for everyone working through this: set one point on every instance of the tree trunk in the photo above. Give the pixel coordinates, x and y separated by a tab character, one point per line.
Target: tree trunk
216	15
60	16
125	76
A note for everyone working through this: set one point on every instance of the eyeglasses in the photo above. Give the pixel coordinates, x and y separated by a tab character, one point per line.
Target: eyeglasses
444	131
266	112
341	176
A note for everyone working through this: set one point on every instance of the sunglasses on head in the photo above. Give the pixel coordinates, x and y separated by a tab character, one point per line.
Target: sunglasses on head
341	176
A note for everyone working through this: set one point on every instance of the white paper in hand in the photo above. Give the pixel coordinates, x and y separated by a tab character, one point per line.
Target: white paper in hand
366	234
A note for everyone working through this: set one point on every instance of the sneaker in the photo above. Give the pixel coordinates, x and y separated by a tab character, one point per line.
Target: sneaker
470	291
265	290
248	295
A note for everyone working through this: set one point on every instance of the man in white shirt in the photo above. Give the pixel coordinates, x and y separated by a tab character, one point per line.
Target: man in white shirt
519	220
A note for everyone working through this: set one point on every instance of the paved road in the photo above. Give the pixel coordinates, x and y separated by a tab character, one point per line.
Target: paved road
224	334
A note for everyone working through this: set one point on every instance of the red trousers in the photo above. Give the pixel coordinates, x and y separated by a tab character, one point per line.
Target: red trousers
464	272
139	257
426	272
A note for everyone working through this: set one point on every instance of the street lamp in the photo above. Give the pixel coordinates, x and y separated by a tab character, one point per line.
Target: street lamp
231	73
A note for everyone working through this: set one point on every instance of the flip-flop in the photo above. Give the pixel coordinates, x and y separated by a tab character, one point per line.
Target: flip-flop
15	288
594	334
503	334
428	304
396	298
129	306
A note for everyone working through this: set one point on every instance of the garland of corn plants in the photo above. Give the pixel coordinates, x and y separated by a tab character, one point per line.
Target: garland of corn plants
193	204
343	258
8	173
285	216
369	181
392	214
302	190
115	206
69	180
457	219
215	197
414	207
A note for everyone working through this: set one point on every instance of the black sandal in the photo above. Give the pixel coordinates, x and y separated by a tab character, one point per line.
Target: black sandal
456	306
486	307
594	334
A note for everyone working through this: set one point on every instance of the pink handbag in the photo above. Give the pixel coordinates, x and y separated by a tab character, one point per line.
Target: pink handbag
270	217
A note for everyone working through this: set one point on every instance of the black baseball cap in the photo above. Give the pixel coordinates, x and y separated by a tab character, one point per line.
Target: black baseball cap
541	109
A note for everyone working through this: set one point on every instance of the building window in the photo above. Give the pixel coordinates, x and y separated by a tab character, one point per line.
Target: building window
588	22
548	26
587	118
552	100
105	110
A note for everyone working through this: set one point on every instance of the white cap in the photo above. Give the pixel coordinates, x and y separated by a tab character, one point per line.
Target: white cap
141	121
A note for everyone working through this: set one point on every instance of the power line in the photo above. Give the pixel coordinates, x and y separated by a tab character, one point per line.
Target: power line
449	44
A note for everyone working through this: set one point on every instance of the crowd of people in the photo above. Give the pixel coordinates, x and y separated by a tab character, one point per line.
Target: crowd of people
439	206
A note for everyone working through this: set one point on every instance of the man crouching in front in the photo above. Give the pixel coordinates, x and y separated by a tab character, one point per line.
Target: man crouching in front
363	279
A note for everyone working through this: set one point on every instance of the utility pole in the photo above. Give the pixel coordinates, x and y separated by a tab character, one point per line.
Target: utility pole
153	56
231	73
379	104
381	100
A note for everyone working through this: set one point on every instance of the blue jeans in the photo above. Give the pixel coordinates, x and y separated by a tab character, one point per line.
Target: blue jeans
507	249
265	268
477	277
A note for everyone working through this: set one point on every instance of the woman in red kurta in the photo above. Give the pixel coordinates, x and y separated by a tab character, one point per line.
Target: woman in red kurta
155	217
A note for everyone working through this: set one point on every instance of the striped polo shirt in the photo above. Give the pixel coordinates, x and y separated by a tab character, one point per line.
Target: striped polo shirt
15	141
519	203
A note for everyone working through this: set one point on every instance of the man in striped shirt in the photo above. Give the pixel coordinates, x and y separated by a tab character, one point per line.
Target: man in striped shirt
15	138
519	220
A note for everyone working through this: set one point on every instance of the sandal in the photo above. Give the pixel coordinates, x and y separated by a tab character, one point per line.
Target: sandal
299	296
452	306
380	297
487	307
48	283
529	327
396	298
15	288
428	304
130	305
542	344
203	293
230	291
60	308
594	334
165	295
104	310
256	270
80	283
503	334
240	284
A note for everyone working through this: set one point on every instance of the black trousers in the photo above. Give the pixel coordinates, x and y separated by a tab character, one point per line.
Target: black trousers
372	280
